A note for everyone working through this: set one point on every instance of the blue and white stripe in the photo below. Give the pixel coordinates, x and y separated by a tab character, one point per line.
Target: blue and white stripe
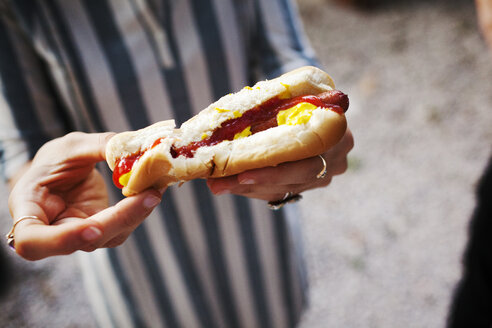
110	65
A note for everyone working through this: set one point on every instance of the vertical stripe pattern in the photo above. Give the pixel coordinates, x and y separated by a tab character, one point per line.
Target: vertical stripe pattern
181	248
243	213
198	260
282	241
56	25
123	286
215	249
17	94
211	43
119	62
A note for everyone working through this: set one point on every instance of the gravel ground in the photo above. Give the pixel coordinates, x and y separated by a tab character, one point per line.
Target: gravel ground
384	242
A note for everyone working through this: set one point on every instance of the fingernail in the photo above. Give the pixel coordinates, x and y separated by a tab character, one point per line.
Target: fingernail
247	181
151	201
222	192
91	234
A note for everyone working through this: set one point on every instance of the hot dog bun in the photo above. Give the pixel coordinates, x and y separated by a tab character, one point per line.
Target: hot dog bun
158	168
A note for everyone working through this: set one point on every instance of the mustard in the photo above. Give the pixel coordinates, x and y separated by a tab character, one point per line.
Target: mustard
243	134
235	113
299	114
286	94
123	180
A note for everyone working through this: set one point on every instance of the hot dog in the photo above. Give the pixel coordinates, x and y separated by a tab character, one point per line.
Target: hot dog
292	117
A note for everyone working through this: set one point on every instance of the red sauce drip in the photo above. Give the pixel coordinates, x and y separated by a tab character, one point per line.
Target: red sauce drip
261	113
124	165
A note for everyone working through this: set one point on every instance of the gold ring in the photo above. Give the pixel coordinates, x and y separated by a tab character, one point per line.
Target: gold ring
323	172
10	234
288	198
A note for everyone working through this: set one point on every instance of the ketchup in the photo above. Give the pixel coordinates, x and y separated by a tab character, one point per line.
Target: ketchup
261	113
124	165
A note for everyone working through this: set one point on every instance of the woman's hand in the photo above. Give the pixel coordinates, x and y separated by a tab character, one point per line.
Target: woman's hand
484	12
68	195
272	183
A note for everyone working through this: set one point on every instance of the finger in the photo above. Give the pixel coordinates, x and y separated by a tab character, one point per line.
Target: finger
298	172
273	192
229	185
303	171
76	146
247	190
89	146
219	186
269	197
117	241
347	141
298	176
34	240
126	215
287	177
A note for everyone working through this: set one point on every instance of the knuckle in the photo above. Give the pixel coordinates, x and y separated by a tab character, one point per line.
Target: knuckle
62	145
342	166
74	136
68	140
130	221
116	241
72	140
105	137
351	143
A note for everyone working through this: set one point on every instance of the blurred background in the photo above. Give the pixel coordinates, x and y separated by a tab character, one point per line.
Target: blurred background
384	242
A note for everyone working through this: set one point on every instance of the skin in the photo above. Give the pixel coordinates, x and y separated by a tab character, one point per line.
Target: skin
272	183
68	195
65	191
484	13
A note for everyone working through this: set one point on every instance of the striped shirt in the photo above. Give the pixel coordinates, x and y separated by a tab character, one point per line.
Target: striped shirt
113	65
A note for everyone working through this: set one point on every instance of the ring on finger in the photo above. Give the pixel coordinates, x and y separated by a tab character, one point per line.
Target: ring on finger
323	171
10	235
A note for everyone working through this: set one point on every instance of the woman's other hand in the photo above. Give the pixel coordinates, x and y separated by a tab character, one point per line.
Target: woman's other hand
67	194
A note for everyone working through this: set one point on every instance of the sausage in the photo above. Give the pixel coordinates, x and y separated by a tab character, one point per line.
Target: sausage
218	142
335	97
331	97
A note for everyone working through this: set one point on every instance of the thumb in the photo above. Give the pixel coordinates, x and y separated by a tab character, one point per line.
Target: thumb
35	240
126	215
